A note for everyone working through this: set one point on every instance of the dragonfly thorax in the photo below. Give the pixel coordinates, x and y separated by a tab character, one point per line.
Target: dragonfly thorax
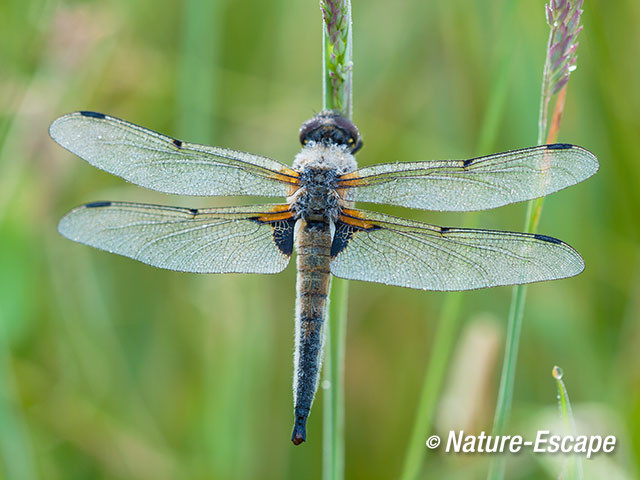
317	200
319	166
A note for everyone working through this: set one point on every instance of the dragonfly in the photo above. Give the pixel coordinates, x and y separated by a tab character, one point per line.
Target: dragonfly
319	218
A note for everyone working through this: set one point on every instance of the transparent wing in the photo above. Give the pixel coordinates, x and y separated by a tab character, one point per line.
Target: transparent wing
223	240
476	184
379	248
162	163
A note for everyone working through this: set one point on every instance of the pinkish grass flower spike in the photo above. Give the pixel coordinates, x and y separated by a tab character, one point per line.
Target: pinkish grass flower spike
563	17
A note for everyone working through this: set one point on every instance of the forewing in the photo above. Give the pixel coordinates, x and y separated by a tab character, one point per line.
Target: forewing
475	184
379	248
222	240
162	163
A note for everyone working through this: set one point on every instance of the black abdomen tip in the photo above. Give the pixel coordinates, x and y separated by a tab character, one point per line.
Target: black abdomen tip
299	434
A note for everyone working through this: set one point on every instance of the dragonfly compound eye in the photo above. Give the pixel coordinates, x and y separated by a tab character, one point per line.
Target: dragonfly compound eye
331	127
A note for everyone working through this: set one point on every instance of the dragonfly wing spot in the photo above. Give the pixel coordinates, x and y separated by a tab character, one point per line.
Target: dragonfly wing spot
345	232
341	238
98	204
546	238
88	113
559	146
282	233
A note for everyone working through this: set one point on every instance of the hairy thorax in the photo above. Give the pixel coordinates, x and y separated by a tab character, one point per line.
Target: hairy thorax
319	166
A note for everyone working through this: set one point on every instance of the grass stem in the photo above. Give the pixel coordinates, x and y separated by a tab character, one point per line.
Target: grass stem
516	315
337	95
334	412
443	343
563	17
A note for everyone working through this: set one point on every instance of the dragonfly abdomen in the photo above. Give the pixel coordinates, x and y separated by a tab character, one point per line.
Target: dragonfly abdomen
313	244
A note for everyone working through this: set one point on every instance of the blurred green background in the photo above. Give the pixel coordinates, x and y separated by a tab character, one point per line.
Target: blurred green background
110	369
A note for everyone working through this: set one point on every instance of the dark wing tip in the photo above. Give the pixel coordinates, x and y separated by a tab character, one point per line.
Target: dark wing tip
560	146
98	204
88	113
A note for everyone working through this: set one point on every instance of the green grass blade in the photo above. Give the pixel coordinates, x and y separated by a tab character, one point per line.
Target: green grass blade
574	465
196	104
18	458
444	339
450	318
507	376
196	80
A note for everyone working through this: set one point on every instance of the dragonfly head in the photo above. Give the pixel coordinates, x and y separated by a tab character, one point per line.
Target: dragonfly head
330	127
